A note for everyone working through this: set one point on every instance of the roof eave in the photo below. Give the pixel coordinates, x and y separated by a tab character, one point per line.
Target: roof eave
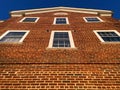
69	9
1	21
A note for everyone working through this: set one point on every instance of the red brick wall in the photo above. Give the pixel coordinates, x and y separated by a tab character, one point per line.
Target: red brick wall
60	77
33	49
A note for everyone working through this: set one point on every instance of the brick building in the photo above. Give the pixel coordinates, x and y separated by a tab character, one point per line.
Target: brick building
60	48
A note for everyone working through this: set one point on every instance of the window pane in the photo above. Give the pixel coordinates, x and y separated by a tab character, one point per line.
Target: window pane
61	39
12	37
15	34
61	45
103	34
55	43
109	36
61	42
92	19
9	39
61	35
61	21
29	20
67	43
111	39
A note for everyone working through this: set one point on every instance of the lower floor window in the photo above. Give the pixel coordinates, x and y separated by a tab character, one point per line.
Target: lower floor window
14	36
108	35
61	39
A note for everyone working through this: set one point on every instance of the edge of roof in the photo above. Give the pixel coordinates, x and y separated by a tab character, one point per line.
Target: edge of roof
19	13
1	21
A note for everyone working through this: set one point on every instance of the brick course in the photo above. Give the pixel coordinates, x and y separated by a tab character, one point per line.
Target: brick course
60	76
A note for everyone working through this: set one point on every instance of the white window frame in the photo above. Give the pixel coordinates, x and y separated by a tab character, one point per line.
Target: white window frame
100	20
55	18
37	18
20	41
100	38
72	45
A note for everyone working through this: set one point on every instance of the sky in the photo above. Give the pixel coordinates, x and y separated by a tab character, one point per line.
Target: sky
11	5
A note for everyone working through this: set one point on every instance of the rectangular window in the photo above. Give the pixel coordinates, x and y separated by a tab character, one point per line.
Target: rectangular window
108	35
30	19
61	39
61	20
92	19
14	36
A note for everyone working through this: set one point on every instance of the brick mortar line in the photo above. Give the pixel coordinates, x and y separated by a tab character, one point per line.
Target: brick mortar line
60	63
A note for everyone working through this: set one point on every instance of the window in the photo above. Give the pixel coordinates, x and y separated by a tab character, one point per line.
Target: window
30	19
61	20
61	39
108	35
14	36
92	19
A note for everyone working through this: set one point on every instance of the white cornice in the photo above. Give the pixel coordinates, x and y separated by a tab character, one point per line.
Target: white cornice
69	9
1	21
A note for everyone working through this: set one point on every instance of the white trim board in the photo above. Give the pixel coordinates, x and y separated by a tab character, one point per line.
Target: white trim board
68	9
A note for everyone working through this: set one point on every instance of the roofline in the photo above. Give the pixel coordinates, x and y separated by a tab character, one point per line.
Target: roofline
69	9
1	21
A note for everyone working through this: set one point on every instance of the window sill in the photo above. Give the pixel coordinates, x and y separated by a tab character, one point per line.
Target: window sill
61	48
27	22
110	42
60	24
11	42
96	22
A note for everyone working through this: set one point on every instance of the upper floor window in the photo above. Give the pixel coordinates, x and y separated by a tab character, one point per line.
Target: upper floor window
29	19
61	20
61	39
108	35
14	36
92	19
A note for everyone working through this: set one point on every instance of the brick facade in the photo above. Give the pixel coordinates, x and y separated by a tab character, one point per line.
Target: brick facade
32	66
60	77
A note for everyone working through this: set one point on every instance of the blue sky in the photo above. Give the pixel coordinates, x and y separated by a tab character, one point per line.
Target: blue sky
10	5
